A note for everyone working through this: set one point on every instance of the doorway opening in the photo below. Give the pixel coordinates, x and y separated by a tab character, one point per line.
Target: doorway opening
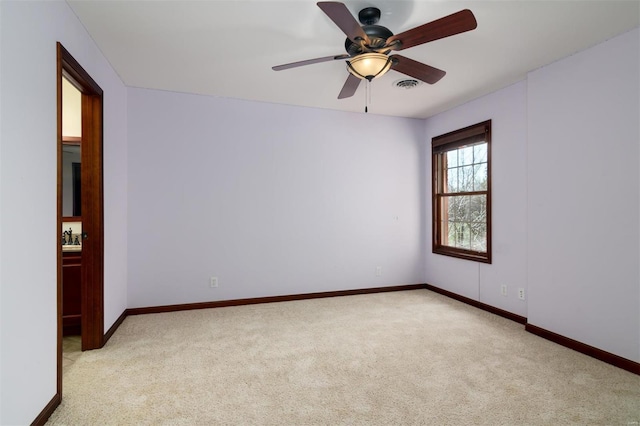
80	211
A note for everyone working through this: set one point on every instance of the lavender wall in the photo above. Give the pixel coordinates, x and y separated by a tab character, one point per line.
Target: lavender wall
566	198
478	281
584	195
29	31
271	199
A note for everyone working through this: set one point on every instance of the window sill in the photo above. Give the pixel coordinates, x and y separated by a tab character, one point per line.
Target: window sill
463	254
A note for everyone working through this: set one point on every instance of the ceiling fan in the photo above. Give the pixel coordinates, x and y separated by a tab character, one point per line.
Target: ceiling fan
368	46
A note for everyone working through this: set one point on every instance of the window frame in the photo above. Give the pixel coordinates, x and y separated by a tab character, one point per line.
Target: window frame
440	145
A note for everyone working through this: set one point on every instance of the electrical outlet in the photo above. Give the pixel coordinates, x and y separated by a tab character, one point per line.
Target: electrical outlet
213	282
378	271
503	290
521	293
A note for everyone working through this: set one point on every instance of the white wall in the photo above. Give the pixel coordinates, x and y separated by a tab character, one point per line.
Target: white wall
479	281
29	31
272	199
583	200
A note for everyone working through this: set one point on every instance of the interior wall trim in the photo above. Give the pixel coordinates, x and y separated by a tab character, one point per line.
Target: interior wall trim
599	354
608	357
500	312
270	299
114	327
47	411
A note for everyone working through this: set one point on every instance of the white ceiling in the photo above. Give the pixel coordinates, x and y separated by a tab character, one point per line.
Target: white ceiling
227	48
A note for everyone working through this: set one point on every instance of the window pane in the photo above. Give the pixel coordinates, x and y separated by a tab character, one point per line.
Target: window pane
476	208
479	237
480	153
452	158
467	218
465	179
456	209
451	234
452	180
463	236
465	155
467	169
480	177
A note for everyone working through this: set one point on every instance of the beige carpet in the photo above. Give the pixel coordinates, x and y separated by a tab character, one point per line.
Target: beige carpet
404	358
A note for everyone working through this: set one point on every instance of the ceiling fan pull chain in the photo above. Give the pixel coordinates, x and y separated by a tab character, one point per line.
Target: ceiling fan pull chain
366	89
367	93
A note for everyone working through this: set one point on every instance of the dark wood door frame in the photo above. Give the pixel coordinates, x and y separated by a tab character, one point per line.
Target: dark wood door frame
92	286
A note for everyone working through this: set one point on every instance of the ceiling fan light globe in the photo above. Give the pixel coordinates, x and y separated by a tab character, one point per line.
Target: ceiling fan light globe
368	66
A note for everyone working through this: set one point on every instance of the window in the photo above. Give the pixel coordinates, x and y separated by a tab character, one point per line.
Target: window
461	166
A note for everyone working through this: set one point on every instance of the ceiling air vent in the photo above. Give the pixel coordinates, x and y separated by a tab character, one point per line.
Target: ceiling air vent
407	83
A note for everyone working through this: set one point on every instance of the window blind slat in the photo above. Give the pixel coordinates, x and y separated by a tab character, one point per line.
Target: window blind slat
459	138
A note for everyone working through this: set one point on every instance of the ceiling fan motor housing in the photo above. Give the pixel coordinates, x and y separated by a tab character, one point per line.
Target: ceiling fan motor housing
369	16
378	36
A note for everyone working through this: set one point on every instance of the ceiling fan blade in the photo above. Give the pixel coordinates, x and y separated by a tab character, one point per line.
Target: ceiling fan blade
341	16
309	62
350	87
416	69
456	23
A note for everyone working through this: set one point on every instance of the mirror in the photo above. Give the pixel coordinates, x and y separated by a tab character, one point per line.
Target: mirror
71	205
